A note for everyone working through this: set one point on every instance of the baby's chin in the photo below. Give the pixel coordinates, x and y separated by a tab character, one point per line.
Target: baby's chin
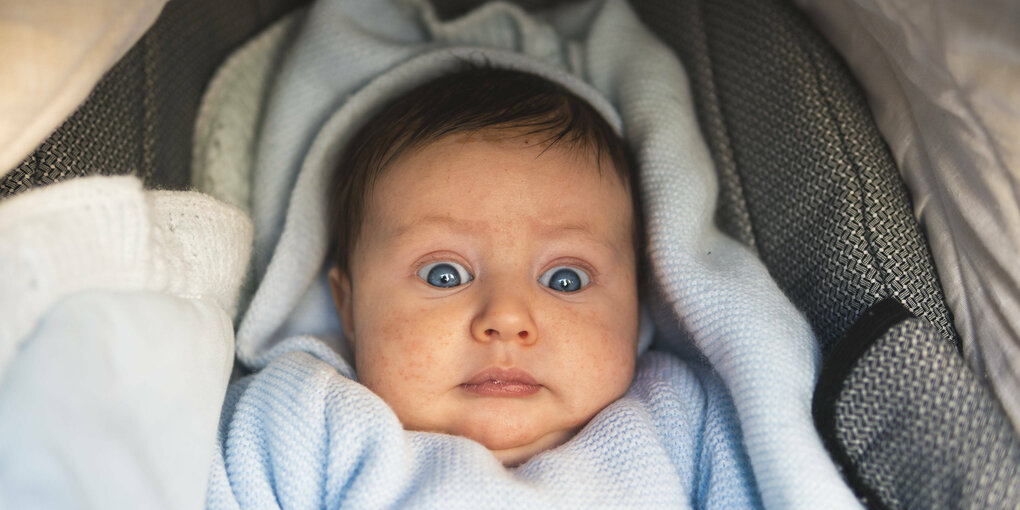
515	453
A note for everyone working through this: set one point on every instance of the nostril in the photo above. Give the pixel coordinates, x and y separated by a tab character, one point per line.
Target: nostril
493	333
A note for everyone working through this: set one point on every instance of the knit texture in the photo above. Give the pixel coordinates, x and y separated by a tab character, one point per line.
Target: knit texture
352	56
123	238
228	118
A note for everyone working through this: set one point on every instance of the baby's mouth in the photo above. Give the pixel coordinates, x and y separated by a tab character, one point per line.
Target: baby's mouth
501	382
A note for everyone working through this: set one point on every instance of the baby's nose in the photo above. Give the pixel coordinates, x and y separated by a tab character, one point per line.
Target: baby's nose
506	318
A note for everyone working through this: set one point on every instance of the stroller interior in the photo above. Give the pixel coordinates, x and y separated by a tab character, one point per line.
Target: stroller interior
805	179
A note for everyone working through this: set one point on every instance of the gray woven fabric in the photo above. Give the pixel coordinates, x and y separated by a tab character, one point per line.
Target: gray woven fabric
921	431
825	204
139	118
682	25
104	136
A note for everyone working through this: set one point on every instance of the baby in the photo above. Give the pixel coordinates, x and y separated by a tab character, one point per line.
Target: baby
488	272
487	279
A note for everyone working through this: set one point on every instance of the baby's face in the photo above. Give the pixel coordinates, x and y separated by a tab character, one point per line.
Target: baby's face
493	292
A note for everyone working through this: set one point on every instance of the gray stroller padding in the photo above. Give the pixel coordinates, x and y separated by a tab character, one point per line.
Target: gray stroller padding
805	180
805	177
139	118
911	424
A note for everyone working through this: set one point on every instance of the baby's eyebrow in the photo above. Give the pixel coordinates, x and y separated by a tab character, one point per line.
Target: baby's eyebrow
440	220
569	228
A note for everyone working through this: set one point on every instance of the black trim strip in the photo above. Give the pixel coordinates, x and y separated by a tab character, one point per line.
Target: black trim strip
872	325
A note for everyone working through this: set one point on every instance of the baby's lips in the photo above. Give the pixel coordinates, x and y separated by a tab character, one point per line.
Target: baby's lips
504	376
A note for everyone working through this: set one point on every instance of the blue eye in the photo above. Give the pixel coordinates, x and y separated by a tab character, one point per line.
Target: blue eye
565	279
445	275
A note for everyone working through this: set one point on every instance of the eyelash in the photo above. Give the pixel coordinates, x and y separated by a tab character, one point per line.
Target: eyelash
593	275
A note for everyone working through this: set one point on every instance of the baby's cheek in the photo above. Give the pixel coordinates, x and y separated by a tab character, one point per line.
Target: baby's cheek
598	359
615	366
411	366
613	353
612	332
406	350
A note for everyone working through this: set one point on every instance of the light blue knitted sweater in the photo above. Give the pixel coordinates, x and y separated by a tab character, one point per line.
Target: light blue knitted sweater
301	433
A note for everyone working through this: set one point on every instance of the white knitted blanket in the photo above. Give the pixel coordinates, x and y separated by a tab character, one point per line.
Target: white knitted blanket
347	57
116	344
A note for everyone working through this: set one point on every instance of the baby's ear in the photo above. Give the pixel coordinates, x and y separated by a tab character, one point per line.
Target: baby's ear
343	300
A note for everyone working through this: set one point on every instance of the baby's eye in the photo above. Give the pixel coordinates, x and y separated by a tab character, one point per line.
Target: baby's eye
565	279
445	275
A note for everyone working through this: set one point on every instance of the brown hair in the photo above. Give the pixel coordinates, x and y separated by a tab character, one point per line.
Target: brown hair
469	100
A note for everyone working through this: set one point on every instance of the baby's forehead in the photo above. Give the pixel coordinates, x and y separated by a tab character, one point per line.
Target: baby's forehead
486	183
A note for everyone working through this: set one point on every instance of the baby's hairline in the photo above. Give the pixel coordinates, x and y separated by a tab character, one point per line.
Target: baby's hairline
496	134
476	101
